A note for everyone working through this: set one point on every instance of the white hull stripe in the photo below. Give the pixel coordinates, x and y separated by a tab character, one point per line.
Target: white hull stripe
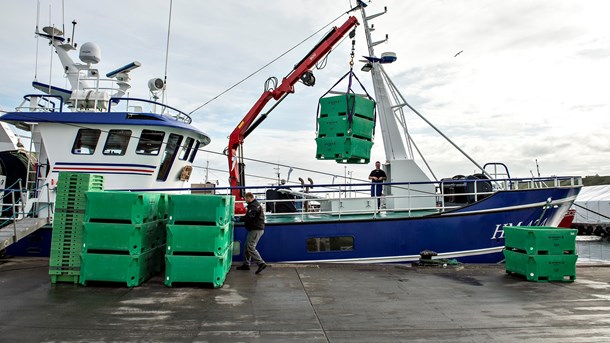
511	208
405	258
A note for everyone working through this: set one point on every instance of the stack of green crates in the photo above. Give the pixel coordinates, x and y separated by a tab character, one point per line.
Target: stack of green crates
541	253
199	238
67	234
124	237
340	140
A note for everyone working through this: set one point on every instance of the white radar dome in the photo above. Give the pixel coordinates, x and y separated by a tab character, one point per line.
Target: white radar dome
388	57
90	53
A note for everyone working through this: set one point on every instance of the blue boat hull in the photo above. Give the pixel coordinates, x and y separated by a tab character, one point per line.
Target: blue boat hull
472	234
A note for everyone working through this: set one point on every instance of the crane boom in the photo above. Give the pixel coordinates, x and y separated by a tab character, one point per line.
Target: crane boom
245	126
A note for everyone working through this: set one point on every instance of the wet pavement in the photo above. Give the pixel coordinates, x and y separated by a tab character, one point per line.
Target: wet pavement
310	303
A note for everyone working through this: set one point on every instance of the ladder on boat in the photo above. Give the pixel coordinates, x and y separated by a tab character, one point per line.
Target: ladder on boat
18	229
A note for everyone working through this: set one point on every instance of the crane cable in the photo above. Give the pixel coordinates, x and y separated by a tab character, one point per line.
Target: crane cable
265	66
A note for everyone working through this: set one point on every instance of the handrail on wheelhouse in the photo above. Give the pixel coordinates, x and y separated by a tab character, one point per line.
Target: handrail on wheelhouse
180	116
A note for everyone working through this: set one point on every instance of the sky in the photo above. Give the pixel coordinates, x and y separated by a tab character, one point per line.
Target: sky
529	85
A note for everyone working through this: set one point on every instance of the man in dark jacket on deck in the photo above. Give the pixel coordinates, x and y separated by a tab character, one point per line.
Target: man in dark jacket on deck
255	224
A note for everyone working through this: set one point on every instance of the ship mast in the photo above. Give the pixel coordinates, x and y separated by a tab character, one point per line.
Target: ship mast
392	139
400	165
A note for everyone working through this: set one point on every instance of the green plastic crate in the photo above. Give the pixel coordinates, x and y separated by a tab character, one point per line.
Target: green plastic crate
71	205
80	177
79	182
541	268
540	240
72	195
340	127
344	150
65	278
76	187
186	239
197	269
66	269
126	207
131	269
200	209
63	220
163	205
132	238
341	104
66	243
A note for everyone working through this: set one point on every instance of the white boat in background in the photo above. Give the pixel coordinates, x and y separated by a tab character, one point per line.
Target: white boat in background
144	145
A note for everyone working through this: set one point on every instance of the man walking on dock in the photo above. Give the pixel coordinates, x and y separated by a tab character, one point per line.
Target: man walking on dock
254	219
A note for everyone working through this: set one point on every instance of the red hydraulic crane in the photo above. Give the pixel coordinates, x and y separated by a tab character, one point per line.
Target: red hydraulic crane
302	71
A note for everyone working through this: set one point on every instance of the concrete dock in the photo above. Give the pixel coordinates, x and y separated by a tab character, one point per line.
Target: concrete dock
310	303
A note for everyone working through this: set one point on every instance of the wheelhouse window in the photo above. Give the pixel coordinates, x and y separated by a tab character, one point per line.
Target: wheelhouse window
150	142
171	149
194	153
117	141
186	149
86	141
340	243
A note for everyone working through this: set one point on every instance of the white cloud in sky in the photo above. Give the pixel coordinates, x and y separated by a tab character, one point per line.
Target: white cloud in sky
531	82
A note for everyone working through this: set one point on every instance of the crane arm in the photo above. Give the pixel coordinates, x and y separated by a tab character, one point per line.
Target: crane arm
301	70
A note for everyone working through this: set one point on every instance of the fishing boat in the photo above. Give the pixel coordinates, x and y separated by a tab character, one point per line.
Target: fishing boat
94	128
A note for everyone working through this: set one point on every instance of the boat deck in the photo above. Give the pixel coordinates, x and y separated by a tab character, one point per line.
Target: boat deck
310	303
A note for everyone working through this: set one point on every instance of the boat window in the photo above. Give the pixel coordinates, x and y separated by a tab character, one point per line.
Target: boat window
186	149
86	141
150	142
340	243
194	153
117	141
171	148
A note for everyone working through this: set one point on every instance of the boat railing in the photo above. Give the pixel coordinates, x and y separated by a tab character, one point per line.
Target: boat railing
18	205
11	203
105	95
334	199
136	105
41	103
353	201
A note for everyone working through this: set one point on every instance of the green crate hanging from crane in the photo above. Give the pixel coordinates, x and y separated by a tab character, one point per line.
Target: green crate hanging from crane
346	128
345	124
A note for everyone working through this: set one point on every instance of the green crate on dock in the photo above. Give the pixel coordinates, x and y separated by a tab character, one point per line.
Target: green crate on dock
66	266
80	177
200	209
66	246
63	216
541	268
80	181
132	238
67	261
186	239
127	207
197	269
163	205
540	240
75	187
65	278
131	269
70	204
344	150
342	104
